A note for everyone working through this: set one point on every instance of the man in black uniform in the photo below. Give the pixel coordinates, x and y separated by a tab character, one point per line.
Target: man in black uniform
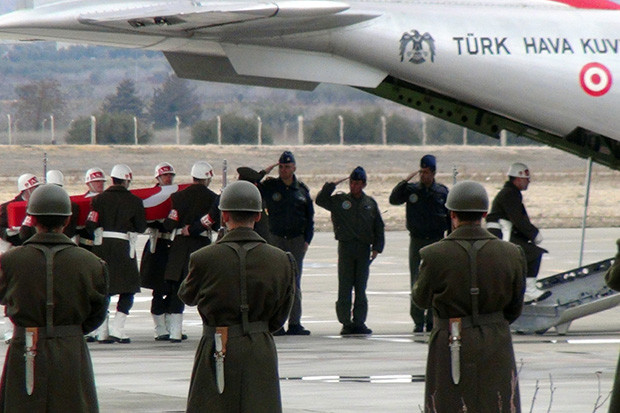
508	220
359	229
118	216
188	206
291	224
427	221
95	182
155	258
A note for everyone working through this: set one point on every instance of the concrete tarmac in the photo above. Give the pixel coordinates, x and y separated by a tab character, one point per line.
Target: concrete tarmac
384	372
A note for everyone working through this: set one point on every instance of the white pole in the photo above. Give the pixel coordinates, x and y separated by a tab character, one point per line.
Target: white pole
341	129
93	130
259	132
300	129
52	129
219	130
10	130
585	209
464	136
424	137
384	130
503	137
135	130
178	129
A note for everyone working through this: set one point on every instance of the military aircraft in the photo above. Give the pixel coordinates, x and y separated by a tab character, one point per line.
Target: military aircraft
543	69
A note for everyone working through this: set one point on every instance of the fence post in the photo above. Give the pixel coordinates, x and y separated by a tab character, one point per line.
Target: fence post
93	130
259	131
464	136
424	136
135	130
219	130
384	130
341	129
300	129
53	129
178	129
10	130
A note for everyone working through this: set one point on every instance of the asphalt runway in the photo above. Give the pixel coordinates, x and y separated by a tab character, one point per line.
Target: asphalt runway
384	372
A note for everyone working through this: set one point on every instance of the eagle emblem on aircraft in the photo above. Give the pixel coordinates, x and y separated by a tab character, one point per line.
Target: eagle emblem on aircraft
416	47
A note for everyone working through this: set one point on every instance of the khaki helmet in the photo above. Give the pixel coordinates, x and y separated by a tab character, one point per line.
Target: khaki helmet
241	196
55	177
26	181
121	171
468	196
163	169
94	174
519	170
49	199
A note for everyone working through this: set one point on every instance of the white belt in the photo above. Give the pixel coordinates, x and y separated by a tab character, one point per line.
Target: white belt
164	235
494	225
206	234
114	234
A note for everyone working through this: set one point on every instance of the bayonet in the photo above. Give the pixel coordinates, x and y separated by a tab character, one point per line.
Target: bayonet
219	362
29	356
455	349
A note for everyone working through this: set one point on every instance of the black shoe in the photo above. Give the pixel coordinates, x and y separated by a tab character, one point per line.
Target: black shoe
90	339
175	340
279	332
108	340
541	297
119	340
419	328
347	330
183	336
429	327
362	329
163	337
297	330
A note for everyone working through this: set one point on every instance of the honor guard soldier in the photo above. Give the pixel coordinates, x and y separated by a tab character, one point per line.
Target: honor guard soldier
612	279
427	221
27	229
95	182
508	220
54	292
291	224
244	289
155	258
26	183
474	282
359	229
188	206
116	218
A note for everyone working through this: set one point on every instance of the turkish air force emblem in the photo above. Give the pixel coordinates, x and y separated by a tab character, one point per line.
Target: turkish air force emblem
416	47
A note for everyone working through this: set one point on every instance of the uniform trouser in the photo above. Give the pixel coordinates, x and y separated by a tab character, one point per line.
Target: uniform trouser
297	247
174	303
164	298
533	253
353	262
125	302
415	245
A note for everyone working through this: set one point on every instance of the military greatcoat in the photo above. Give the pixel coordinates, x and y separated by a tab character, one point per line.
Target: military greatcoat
487	364
118	210
612	278
64	380
251	366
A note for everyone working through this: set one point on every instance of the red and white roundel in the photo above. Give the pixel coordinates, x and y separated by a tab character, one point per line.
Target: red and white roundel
595	79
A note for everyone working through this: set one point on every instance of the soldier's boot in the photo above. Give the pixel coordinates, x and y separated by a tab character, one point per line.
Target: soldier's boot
161	330
103	332
117	328
176	327
533	293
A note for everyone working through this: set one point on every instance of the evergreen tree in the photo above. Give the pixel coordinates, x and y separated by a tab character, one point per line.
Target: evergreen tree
174	98
126	100
37	101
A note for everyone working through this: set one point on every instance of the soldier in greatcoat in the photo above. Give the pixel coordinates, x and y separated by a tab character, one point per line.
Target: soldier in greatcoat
155	258
612	278
188	206
242	304
118	216
474	282
48	366
359	229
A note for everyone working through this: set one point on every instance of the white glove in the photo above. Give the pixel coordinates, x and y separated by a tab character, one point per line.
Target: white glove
538	238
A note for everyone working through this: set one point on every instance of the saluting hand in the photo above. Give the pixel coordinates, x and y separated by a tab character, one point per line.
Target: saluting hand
270	168
341	181
411	175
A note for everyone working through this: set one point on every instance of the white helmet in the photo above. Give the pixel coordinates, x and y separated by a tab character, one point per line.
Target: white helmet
94	174
27	181
121	171
519	170
202	170
163	169
55	177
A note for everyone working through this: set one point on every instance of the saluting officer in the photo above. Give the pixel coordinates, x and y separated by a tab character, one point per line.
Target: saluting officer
94	178
474	282
359	229
155	258
188	206
54	292
118	215
427	221
26	183
244	289
291	224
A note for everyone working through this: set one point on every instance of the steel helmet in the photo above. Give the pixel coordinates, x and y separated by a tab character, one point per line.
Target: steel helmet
468	196
202	170
55	177
94	174
27	181
519	170
121	171
241	196
49	199
163	169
